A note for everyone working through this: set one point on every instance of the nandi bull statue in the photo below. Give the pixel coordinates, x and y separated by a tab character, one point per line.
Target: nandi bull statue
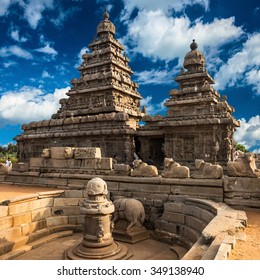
142	169
128	219
173	169
206	170
243	166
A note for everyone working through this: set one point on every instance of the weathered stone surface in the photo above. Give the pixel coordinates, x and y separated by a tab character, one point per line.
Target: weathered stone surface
10	233
57	152
40	214
57	220
87	153
3	211
66	202
106	164
6	222
23	218
36	162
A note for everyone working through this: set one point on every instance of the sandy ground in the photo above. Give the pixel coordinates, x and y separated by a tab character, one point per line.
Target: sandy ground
244	250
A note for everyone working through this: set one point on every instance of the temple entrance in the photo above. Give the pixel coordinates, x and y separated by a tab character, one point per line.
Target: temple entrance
156	153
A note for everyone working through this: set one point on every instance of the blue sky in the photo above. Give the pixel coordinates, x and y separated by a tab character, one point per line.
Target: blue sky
42	41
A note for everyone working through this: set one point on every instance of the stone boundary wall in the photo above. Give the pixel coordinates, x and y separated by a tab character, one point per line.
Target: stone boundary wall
211	228
43	216
25	219
238	192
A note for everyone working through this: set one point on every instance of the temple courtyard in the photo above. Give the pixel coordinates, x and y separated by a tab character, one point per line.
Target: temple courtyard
248	249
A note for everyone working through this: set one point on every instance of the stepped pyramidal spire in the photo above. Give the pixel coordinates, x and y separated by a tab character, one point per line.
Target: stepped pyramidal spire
105	83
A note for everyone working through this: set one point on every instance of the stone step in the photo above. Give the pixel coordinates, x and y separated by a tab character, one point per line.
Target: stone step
32	245
7	246
179	250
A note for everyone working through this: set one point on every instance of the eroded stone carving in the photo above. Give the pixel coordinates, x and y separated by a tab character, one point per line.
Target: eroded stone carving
207	170
46	153
142	169
172	169
68	152
131	210
243	166
98	242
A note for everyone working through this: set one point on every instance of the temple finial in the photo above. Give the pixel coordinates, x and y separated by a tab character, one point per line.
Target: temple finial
106	14
193	45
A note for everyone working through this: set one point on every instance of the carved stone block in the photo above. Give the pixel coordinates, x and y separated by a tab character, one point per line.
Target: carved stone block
83	153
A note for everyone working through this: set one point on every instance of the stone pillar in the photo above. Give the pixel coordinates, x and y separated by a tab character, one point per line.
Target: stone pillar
98	242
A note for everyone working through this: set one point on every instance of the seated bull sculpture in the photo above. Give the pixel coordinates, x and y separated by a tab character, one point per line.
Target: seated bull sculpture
129	209
243	166
142	169
172	169
207	170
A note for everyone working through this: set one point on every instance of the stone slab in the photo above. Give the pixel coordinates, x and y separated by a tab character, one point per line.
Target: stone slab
87	153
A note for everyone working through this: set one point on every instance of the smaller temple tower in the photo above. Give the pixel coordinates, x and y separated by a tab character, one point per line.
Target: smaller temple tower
199	124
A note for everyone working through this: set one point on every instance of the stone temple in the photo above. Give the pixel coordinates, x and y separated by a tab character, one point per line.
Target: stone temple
103	110
181	203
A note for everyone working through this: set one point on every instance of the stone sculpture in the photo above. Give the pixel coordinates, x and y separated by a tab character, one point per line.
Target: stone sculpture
206	170
129	209
46	153
142	169
172	169
243	166
128	218
98	242
68	152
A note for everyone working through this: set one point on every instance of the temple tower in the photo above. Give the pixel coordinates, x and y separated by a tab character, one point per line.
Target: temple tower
199	124
103	108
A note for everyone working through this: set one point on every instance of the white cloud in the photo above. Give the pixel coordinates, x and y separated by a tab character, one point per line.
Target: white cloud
29	104
158	36
165	5
155	77
15	36
79	56
16	51
4	5
248	133
152	108
45	74
33	10
47	49
9	64
242	67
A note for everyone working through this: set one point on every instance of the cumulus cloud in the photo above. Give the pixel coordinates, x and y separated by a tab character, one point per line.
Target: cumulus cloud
242	67
29	104
4	5
151	107
165	5
47	49
16	36
155	76
159	36
15	51
33	10
248	133
45	74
